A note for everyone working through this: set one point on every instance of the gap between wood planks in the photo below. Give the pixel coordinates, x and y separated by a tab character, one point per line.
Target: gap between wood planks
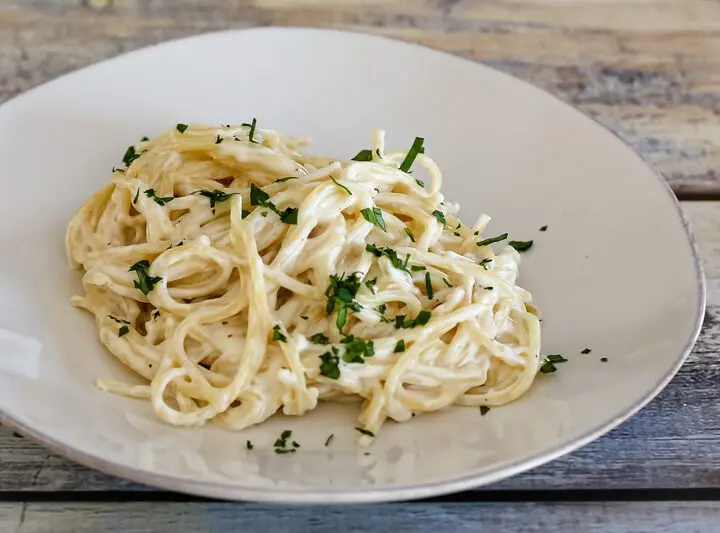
544	495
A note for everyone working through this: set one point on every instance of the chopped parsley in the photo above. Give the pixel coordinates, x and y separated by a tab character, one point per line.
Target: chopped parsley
137	195
329	364
374	216
118	320
356	350
409	233
363	155
365	431
421	319
421	183
548	366
415	149
277	335
390	254
320	338
145	139
160	200
156	314
215	196
281	445
446	282
521	246
130	156
417	268
440	216
485	262
382	308
288	178
336	182
603	359
252	131
340	294
144	282
249	445
544	228
329	439
586	351
181	127
123	331
370	284
428	286
399	346
493	239
484	409
261	198
219	139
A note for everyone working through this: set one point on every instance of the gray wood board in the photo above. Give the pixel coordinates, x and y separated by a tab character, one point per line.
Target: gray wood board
212	517
673	443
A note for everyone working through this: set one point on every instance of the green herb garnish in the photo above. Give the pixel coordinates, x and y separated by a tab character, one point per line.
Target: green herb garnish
130	156
363	155
370	284
288	178
485	262
252	131
356	350
417	268
374	216
421	183
399	346
160	200
422	318
603	359
340	294
215	196
521	246
329	366
493	239
261	198
281	443
329	439
290	216
548	366
181	127
428	286
365	432
277	335
409	233
484	409
249	445
415	149
144	282
390	254
450	285
556	358
219	139
123	331
586	351
118	320
544	228
319	338
336	182
440	216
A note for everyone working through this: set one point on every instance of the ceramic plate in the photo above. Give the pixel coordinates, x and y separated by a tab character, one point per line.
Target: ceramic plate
615	272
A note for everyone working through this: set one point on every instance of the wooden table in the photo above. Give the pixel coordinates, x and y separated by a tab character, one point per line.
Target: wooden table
649	69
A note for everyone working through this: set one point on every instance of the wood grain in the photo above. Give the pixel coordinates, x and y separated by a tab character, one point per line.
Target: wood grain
146	517
648	69
673	443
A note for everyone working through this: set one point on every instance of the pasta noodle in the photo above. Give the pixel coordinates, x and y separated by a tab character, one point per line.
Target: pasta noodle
239	276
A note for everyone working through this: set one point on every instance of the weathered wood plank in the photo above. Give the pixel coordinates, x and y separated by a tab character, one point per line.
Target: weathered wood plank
673	443
632	517
646	68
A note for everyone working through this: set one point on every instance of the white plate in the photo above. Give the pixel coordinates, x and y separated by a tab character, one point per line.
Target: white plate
616	270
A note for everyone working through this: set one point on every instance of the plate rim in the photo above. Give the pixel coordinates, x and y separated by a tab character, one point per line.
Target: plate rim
369	494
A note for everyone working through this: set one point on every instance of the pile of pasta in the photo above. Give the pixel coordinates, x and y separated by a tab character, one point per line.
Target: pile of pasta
239	276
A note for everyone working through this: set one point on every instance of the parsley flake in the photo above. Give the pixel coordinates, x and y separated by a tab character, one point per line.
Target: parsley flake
329	439
374	216
336	182
399	346
417	268
261	198
118	320
450	285
586	351
415	149
215	196
144	282
219	139
160	200
365	431
130	156
252	131
356	350
363	155
440	216
493	239
329	364
409	233
485	262
340	294
249	445
544	228
422	318
277	335
484	409
288	178
390	254
123	331
428	286
181	127
521	246
603	359
320	338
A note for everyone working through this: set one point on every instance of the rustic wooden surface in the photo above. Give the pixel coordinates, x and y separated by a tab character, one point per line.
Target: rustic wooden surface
648	69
